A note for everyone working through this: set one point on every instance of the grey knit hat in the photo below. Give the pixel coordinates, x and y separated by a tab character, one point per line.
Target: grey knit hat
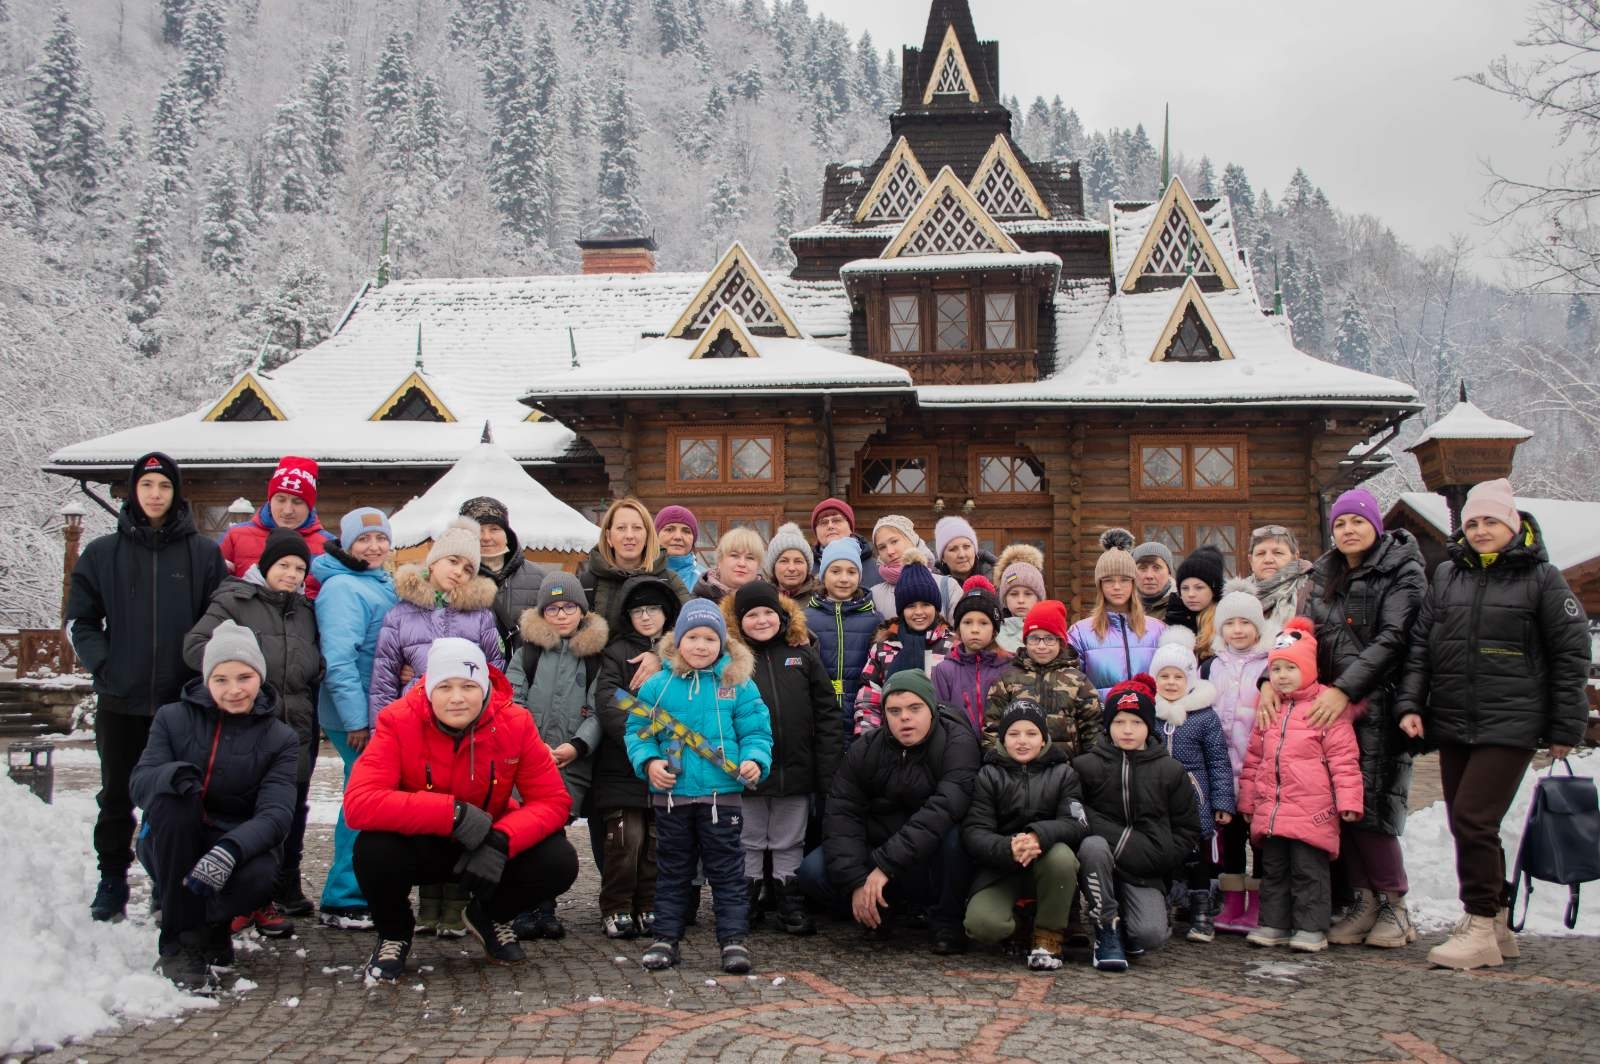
232	642
789	537
1151	549
561	586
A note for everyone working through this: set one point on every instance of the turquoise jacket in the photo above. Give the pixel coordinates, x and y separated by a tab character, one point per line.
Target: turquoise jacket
350	610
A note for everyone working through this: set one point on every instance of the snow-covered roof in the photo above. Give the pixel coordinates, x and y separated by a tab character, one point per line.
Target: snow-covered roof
1112	363
1466	422
540	520
1568	527
834	230
1131	220
971	262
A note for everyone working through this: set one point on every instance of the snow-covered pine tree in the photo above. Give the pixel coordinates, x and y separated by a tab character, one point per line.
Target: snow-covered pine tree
1205	177
1067	132
172	15
753	13
70	132
389	105
327	99
1580	322
749	84
544	70
869	74
20	188
821	132
1143	165
670	35
518	171
294	315
431	120
724	211
620	17
1309	314
1353	341
1299	194
172	136
1102	178
225	218
785	208
619	211
147	273
205	51
1037	136
708	129
294	158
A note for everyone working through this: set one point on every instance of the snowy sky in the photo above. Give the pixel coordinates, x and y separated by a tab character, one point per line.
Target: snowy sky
1363	93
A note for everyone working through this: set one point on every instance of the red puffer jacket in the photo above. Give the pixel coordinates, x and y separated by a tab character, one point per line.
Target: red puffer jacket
411	773
1298	779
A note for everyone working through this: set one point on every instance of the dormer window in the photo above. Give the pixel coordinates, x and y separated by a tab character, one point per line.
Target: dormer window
1192	342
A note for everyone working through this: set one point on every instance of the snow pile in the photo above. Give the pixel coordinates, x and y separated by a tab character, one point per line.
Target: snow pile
1431	865
66	976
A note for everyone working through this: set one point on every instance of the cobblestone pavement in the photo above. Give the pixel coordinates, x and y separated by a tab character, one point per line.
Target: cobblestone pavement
836	997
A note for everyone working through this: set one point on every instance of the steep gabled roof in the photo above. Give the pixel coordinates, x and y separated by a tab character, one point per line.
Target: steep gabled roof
1176	241
415	382
950	31
949	221
246	388
735	283
1191	305
900	183
950	74
1001	184
725	321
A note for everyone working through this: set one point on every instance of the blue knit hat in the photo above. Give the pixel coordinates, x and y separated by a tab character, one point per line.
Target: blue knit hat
916	584
360	521
701	613
843	549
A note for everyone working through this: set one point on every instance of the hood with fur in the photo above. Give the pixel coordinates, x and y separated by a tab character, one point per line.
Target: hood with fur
736	665
796	633
411	584
1203	696
589	639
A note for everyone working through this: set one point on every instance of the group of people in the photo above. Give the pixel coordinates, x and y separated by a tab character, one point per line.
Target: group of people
861	725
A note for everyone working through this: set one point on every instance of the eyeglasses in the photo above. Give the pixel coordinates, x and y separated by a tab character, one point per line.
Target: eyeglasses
641	612
1269	532
1039	639
561	609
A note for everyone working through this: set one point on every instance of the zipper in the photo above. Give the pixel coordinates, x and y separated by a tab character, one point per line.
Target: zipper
1127	807
1277	767
155	625
1127	648
211	761
1472	654
838	670
776	713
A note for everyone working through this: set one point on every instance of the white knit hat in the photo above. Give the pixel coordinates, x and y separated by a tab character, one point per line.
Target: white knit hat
1238	600
459	540
1176	651
455	658
900	523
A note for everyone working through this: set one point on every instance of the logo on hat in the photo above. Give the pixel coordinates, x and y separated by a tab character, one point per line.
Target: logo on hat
557	592
1128	700
1287	639
472	669
371	520
153	463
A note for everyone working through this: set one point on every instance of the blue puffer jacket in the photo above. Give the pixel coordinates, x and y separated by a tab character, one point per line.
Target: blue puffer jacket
721	703
844	632
1121	654
350	611
1194	736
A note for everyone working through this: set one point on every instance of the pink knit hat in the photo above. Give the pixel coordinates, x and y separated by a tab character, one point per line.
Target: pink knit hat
1297	643
1493	498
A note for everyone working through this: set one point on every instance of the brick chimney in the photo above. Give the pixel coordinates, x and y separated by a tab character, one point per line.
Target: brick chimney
618	254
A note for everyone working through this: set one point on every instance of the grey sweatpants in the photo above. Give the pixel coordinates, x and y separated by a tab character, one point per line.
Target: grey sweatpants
779	825
1143	910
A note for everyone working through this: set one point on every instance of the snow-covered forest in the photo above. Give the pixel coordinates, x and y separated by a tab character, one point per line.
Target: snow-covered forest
188	185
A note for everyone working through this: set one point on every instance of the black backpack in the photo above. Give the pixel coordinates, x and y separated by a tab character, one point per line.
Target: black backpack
1560	842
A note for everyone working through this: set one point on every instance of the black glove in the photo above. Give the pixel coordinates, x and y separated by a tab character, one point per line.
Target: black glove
480	869
186	780
471	825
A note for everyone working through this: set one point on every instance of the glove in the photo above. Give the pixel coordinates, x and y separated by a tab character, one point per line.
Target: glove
480	869
186	780
210	874
471	825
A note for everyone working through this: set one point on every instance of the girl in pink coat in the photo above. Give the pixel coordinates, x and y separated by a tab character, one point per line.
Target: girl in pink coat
1298	782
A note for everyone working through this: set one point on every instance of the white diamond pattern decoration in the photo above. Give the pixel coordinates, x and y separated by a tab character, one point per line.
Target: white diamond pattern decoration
742	297
1215	467
952	82
949	229
905	324
1002	195
698	459
1176	249
899	196
1161	467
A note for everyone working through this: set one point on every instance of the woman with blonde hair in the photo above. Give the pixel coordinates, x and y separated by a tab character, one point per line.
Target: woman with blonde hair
628	548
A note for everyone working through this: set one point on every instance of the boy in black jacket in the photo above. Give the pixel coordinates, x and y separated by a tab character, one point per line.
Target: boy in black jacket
1026	819
1144	818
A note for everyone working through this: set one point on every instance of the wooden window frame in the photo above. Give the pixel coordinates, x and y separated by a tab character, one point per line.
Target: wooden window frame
720	512
1189	519
929	456
1024	324
975	457
725	484
890	324
1188	445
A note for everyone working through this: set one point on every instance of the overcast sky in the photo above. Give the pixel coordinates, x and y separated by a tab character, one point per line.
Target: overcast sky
1365	94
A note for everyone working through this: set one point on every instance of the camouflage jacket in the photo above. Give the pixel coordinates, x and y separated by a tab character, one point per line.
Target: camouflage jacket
1071	704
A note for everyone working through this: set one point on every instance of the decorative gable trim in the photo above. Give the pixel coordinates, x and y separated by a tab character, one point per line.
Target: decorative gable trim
735	283
949	221
725	321
951	76
1188	298
1162	252
897	188
1002	186
413	381
248	382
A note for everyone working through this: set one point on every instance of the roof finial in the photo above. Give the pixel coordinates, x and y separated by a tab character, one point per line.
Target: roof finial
572	344
417	362
261	354
1166	151
488	434
1463	389
1277	287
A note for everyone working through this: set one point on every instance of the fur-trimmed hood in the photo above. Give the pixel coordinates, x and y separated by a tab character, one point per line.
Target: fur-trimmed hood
1202	696
411	584
736	665
797	633
590	638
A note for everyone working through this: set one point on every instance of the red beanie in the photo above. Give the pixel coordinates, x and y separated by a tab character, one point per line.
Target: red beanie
1047	615
838	506
297	477
1297	643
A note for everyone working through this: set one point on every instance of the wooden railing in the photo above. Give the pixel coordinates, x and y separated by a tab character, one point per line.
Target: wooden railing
31	650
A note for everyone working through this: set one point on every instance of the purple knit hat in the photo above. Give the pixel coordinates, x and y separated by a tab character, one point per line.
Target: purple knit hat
1358	501
677	515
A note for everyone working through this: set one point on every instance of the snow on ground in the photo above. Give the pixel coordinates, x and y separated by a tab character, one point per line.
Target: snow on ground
1431	865
66	976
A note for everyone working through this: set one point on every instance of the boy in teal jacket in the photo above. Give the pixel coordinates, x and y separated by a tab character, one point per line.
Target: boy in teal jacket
697	773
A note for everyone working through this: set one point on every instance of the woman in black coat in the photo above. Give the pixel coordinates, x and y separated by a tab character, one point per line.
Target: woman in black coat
217	786
1363	597
1498	661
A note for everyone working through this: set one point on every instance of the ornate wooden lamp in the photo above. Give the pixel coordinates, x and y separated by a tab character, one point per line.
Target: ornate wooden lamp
1463	448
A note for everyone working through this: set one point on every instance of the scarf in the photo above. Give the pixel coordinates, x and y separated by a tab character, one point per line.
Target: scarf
913	650
891	573
1280	589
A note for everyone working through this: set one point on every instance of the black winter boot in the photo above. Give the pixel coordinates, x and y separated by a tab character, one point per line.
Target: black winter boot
792	915
110	899
757	911
1202	921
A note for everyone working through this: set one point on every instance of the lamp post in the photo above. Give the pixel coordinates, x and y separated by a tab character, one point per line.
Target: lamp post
1463	448
72	515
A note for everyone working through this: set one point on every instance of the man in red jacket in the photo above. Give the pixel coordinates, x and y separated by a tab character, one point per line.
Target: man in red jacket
292	504
431	797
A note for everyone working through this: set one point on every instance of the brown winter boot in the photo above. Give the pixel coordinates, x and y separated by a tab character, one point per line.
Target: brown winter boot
1357	921
1390	927
1046	953
1470	945
1504	937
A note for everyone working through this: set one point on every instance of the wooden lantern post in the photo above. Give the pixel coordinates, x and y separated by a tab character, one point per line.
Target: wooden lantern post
1463	448
72	515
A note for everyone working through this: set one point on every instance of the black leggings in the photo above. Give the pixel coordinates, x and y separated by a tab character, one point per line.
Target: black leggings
1235	844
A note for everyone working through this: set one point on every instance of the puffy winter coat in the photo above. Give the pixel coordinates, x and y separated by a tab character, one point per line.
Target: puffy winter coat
1499	654
890	805
409	776
516	590
721	703
350	612
242	765
1043	797
962	681
554	679
603	583
1194	736
1143	803
285	626
869	564
1071	704
615	784
1121	653
886	647
807	731
1361	650
413	623
1236	675
133	596
1298	779
844	632
243	543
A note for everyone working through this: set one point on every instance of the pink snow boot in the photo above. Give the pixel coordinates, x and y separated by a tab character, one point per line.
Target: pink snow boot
1241	904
